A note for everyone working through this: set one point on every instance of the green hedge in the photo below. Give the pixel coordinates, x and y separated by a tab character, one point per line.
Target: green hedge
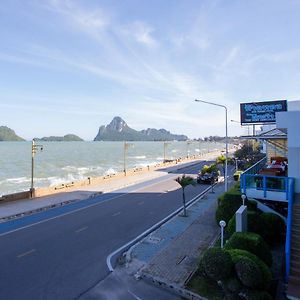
248	272
251	242
274	228
249	294
265	271
255	223
216	263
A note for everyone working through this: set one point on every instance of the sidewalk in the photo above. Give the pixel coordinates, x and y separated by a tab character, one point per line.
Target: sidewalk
166	258
170	254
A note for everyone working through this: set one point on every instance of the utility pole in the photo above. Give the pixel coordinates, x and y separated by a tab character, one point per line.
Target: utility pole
34	149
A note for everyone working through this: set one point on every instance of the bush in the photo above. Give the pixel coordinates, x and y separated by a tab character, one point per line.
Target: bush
273	228
217	263
255	295
255	224
248	272
265	271
232	284
228	205
251	242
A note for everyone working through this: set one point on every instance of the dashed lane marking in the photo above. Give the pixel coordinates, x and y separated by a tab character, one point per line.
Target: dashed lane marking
26	253
81	229
116	214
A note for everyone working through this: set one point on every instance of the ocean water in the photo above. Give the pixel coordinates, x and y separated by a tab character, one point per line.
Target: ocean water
62	162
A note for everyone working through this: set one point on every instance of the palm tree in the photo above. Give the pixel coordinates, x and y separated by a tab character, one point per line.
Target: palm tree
184	181
221	160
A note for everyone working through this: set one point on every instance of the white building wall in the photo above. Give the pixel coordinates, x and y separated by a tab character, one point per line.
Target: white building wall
291	121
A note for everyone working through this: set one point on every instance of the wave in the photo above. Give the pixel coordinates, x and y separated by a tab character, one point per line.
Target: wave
139	157
17	180
110	171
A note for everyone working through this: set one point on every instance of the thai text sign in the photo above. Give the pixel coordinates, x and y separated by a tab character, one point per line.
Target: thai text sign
261	112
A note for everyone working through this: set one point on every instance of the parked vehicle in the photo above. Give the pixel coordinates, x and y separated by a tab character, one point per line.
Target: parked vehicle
208	178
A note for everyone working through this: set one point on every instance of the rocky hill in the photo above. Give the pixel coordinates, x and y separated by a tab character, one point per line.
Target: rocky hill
7	134
65	138
118	130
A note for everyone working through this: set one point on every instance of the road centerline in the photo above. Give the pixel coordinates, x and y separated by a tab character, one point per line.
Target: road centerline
116	214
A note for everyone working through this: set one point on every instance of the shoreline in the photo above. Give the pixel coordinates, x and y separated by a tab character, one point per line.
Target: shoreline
92	182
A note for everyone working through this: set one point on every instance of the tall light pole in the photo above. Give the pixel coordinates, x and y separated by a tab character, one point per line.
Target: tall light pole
226	140
188	148
34	149
165	150
126	146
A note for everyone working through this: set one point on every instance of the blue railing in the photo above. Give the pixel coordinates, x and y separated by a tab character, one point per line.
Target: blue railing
285	185
289	229
266	184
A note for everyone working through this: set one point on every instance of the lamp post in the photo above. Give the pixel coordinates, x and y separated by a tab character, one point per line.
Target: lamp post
188	148
226	140
34	149
222	224
126	146
165	150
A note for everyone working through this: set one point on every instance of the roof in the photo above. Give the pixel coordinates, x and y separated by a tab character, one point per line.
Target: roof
276	133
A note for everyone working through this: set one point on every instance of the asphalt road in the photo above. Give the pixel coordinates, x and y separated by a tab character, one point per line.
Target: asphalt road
64	257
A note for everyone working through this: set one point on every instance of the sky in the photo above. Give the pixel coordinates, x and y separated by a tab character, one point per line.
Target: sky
71	66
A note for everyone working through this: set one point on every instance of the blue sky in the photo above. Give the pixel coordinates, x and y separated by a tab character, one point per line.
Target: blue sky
71	66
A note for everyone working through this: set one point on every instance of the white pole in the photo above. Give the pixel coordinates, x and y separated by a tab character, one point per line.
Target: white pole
226	140
226	162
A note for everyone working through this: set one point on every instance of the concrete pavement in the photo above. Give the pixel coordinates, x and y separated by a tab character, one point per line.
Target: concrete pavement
167	257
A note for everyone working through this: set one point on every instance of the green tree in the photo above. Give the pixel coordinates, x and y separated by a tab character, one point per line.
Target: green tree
185	181
221	160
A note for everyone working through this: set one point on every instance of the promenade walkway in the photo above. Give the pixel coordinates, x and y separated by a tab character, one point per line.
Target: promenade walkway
18	208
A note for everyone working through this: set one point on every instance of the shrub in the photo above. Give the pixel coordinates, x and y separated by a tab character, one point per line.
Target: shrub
232	297
248	272
255	223
228	205
217	263
248	294
273	228
265	271
232	284
251	242
251	205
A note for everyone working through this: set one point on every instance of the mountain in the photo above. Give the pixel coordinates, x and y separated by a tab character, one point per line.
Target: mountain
65	138
7	134
118	130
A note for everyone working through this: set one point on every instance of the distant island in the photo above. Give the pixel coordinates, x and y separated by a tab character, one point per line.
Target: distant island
65	138
7	134
118	130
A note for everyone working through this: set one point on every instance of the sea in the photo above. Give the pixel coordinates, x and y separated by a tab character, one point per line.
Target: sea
63	162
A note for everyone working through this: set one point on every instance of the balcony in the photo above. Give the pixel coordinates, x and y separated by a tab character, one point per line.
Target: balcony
266	187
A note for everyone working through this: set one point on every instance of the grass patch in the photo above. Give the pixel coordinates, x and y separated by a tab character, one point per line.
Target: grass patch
205	287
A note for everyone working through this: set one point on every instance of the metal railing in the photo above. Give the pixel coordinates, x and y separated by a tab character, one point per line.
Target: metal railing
251	180
289	230
256	167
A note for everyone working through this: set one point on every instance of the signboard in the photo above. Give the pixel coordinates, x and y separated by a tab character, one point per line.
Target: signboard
261	112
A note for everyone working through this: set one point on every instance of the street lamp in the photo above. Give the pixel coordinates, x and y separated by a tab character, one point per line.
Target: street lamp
188	148
126	146
222	224
34	149
226	140
165	150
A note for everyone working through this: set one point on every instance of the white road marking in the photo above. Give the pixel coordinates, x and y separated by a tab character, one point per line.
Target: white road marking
116	214
142	202
81	229
26	253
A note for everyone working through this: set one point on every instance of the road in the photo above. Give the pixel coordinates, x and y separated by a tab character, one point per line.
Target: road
65	256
